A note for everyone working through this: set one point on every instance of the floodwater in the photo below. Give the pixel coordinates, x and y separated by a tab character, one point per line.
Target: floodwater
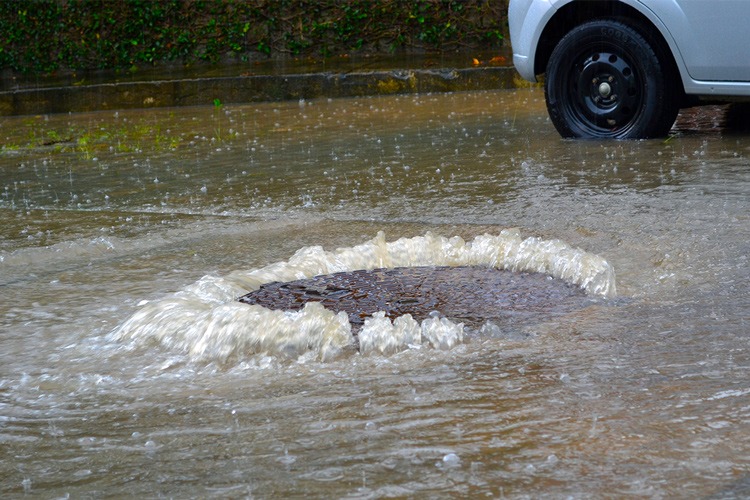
127	367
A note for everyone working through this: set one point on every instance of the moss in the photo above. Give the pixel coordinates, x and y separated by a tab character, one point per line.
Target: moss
389	86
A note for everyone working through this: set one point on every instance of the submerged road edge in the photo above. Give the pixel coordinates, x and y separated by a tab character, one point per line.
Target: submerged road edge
252	88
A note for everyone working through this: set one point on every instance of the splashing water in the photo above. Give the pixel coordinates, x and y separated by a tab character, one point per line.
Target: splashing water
205	320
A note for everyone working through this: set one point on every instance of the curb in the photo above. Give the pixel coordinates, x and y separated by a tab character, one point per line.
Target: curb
245	89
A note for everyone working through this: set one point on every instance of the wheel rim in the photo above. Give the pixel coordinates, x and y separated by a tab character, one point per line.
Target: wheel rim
605	92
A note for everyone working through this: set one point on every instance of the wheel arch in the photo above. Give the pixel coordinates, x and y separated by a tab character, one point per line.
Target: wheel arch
577	12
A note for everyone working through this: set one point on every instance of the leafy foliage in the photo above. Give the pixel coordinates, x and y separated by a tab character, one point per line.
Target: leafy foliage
48	35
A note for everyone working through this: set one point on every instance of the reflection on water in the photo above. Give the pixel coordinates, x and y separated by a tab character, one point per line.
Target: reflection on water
106	213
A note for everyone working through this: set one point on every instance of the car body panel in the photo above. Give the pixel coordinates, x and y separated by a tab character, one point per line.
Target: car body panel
707	39
526	21
713	37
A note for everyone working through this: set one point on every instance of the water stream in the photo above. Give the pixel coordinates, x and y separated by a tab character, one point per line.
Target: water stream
110	385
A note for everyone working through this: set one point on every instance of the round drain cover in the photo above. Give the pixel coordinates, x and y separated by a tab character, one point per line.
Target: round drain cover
469	294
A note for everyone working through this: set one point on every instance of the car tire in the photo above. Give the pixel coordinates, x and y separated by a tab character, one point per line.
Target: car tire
605	80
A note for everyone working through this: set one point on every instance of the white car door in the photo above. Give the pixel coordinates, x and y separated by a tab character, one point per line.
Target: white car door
714	39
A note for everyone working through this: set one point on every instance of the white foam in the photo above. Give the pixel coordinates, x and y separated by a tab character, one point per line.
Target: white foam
380	335
206	321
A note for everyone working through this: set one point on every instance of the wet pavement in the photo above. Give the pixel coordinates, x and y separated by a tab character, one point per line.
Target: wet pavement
128	367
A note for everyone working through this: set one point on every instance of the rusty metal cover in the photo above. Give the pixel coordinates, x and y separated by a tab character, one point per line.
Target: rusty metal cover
469	294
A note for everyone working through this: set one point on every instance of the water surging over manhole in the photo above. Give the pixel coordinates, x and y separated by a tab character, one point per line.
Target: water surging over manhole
206	321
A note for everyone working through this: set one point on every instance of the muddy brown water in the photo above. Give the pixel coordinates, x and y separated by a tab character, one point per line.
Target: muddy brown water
644	394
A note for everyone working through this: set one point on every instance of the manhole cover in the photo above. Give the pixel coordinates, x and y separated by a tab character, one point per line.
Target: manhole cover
469	294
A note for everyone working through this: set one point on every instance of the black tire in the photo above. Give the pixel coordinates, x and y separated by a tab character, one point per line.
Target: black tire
604	80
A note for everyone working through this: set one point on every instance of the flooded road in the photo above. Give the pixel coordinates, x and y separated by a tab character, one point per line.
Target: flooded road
113	221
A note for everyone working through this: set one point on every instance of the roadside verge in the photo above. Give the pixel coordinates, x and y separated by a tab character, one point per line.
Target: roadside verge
250	88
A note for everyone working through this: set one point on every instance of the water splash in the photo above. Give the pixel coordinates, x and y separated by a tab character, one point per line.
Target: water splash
205	321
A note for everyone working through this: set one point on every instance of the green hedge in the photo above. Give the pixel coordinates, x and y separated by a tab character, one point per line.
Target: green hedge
47	35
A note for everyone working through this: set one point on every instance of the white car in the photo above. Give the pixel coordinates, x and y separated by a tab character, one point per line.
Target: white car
624	68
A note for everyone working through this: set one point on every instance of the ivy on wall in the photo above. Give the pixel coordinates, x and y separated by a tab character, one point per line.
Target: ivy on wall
47	35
